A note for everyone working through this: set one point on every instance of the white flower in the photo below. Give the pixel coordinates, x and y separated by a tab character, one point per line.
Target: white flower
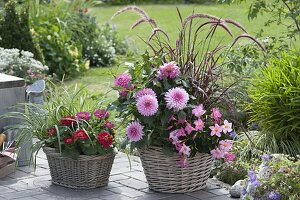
227	127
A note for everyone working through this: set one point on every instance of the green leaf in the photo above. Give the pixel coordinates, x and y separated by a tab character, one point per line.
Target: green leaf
167	150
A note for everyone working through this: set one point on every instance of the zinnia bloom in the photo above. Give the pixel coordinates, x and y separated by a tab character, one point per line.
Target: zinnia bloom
80	134
105	139
123	93
51	131
83	116
101	114
147	105
168	70
122	80
216	115
176	98
216	130
109	125
199	125
227	127
68	140
145	91
198	111
134	131
67	120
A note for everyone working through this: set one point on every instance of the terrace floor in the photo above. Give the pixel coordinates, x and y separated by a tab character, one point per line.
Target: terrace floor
125	184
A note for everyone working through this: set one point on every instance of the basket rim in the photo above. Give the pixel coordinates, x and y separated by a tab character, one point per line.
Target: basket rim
49	151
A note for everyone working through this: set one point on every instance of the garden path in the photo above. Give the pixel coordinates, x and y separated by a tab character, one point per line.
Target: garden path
125	184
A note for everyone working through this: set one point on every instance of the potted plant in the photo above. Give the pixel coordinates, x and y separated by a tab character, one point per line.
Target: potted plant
173	100
76	135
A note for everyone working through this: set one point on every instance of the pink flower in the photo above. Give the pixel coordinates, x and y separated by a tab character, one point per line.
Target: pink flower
173	137
100	113
185	150
216	153
147	105
225	145
199	125
227	127
109	125
168	70
178	146
122	80
123	93
183	162
145	91
198	111
189	128
216	115
134	131
83	115
216	130
229	156
176	98
180	132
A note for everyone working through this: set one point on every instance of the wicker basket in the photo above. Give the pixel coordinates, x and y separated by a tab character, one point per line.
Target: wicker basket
164	175
85	173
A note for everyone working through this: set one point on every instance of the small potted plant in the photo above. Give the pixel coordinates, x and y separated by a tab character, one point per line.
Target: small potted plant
76	135
173	99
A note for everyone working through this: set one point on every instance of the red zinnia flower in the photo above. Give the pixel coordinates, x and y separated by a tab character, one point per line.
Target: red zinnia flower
105	139
80	134
67	120
68	140
109	125
51	132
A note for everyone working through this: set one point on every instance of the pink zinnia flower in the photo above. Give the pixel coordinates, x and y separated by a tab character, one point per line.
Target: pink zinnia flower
176	98
109	125
198	111
225	145
134	131
100	113
216	153
83	115
122	80
173	137
168	70
199	125
216	115
189	128
147	105
216	130
185	150
227	127
123	93
229	156
145	91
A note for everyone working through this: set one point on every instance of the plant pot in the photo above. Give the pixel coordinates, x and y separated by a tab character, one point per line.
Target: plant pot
86	172
164	175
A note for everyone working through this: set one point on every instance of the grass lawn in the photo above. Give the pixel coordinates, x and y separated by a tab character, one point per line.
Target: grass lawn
100	79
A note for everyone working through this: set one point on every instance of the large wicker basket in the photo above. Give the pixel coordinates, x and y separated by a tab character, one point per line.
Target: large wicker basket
86	172
164	175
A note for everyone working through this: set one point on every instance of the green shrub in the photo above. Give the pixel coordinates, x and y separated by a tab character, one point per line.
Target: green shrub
275	97
15	30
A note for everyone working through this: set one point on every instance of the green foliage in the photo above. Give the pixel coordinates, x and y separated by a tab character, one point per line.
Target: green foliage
231	172
15	30
275	97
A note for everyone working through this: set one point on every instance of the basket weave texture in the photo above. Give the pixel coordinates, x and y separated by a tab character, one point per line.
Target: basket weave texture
86	172
164	175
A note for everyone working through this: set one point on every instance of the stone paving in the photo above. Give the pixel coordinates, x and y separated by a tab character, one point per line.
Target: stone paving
125	184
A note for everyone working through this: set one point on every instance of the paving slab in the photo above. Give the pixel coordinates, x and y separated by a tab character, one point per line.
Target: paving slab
127	182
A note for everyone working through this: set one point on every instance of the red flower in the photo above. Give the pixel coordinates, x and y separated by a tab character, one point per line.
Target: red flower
80	134
67	120
105	139
51	132
68	140
109	125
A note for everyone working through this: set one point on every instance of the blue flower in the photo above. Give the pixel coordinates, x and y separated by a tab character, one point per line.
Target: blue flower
274	195
265	157
253	178
232	135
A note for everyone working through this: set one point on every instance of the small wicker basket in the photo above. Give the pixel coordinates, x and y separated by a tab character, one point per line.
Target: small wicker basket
164	175
86	172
